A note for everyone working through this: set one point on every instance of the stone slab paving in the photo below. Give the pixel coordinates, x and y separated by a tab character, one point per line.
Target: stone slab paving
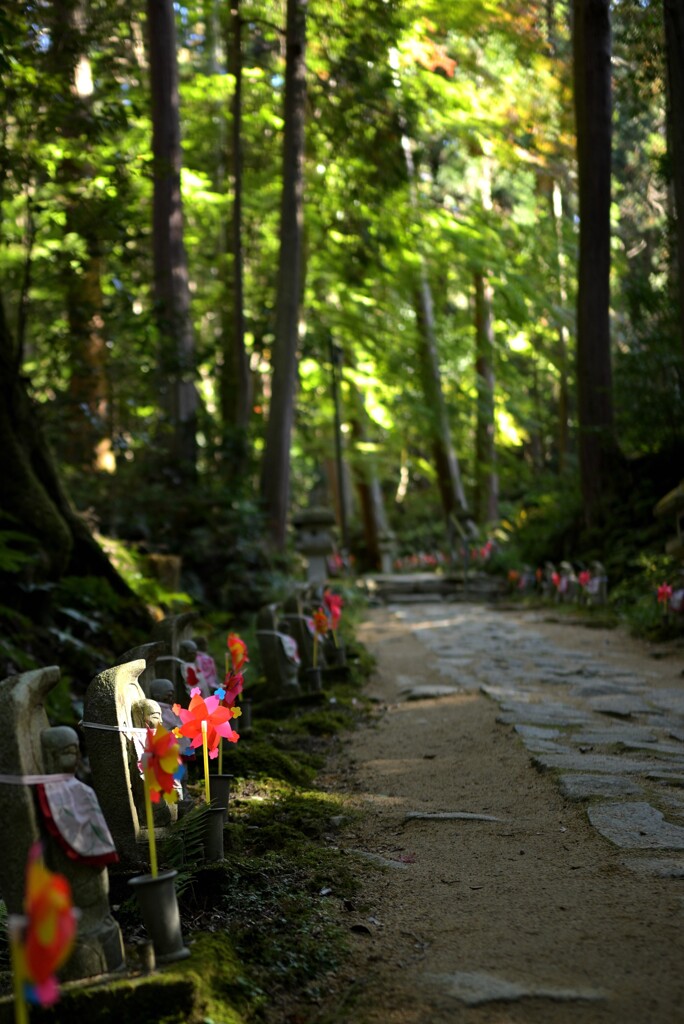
611	734
474	988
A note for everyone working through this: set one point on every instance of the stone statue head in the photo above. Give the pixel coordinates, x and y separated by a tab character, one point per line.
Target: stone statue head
187	650
146	713
162	690
60	749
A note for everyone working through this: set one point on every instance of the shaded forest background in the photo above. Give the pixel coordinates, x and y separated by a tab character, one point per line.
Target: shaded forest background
470	214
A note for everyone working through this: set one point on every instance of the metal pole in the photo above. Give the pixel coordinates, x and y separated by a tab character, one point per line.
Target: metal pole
336	356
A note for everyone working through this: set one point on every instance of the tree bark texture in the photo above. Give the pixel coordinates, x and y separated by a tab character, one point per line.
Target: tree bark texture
33	498
486	480
592	87
275	474
171	286
673	11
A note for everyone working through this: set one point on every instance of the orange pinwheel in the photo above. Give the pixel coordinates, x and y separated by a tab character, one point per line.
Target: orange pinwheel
161	764
238	651
211	711
321	623
51	927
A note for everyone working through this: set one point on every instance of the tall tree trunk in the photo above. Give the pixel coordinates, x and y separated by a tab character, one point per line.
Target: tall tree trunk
373	515
444	455
486	481
591	51
235	384
87	434
556	205
451	491
275	470
673	11
171	286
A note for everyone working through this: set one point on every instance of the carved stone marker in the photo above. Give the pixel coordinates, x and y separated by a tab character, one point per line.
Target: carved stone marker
173	630
279	654
299	626
108	721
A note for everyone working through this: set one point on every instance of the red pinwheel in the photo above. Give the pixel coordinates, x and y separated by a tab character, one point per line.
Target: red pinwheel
664	594
216	716
237	649
50	930
584	578
555	579
161	764
333	602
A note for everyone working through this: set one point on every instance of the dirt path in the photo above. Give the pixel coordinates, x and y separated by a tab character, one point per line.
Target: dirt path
529	917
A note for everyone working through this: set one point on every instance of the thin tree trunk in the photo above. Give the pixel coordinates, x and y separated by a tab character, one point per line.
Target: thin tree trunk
171	286
275	471
673	11
236	385
486	481
591	51
556	204
444	455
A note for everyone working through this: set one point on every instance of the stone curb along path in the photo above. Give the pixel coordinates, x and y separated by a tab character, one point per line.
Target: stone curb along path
528	780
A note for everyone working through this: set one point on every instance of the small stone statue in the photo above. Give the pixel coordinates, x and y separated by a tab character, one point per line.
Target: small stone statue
78	845
147	714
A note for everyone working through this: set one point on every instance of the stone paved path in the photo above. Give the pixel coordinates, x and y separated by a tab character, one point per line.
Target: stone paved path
521	789
615	736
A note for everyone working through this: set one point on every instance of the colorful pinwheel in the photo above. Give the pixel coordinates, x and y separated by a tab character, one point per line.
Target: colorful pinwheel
49	932
333	602
237	648
161	764
321	625
214	714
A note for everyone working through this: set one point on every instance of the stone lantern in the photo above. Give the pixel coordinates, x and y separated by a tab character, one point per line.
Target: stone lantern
315	540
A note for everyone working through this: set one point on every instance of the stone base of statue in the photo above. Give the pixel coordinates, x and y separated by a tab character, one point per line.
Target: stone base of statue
159	911
312	680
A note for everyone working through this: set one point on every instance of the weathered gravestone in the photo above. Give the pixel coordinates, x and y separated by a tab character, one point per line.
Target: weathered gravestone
299	625
149	654
279	654
114	703
174	630
41	756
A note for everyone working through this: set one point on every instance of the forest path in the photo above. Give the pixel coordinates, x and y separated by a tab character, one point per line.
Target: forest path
491	897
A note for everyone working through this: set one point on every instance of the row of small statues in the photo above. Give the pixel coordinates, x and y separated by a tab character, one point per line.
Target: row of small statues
84	828
564	583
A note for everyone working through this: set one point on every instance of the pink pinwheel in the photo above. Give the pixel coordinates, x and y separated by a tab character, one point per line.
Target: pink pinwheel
333	602
161	764
664	594
237	649
231	689
216	716
555	579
